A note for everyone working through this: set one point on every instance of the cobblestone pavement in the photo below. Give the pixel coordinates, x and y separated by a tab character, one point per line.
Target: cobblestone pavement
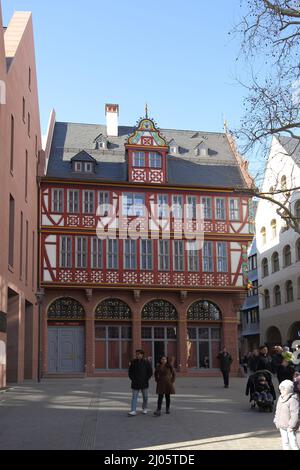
92	414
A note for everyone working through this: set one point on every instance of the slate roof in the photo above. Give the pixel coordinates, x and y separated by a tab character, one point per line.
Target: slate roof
83	156
218	169
292	147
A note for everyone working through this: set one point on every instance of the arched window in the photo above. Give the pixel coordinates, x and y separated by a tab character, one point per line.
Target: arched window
287	256
265	267
289	291
66	308
112	309
298	250
263	235
203	310
277	295
283	183
297	210
275	262
266	299
273	228
159	310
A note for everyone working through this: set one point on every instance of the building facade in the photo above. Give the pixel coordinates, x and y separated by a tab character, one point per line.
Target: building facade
278	247
20	146
144	238
250	329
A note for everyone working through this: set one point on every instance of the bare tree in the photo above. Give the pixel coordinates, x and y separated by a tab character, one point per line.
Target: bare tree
271	29
270	32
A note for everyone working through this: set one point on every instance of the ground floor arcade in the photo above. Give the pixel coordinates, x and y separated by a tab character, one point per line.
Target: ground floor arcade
96	332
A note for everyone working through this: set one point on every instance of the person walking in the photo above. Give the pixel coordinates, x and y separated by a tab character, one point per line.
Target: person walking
165	377
287	418
225	364
140	372
264	361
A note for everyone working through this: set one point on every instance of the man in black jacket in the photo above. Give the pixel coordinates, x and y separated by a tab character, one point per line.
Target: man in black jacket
140	372
225	364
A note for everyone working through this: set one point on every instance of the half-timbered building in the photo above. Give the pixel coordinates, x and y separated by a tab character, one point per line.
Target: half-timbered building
143	243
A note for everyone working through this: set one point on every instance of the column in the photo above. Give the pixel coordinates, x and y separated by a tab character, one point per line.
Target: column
182	338
89	343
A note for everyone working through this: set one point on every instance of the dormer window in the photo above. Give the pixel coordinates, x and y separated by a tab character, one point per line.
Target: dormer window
173	147
83	163
100	142
78	167
88	167
155	160
201	150
139	159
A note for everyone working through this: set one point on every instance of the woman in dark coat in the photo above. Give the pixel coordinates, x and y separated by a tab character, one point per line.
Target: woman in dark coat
165	378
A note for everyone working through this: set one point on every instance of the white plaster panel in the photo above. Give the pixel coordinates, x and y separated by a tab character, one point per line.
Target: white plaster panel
51	252
235	258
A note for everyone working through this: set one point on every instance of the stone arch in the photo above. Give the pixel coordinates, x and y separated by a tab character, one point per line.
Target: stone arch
159	310
273	336
294	332
65	308
204	310
113	309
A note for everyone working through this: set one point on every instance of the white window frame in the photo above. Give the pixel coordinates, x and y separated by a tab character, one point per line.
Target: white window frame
130	254
178	255
208	257
164	255
234	209
136	208
73	201
88	167
207	207
146	255
220	208
191	207
139	159
58	201
78	167
81	250
65	252
222	257
103	202
112	253
88	203
96	253
155	160
193	258
177	206
163	210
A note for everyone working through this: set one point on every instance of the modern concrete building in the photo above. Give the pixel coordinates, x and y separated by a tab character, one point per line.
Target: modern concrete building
278	247
20	146
119	206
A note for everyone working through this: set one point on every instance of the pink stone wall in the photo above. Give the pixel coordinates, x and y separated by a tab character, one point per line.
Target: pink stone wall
20	32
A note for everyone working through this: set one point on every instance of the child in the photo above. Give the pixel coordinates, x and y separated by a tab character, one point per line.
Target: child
263	393
287	415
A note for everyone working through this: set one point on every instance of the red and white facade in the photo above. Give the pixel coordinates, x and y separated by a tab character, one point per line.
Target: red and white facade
121	257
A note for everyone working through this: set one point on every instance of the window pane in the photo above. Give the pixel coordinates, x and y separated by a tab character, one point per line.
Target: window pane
171	333
204	355
113	332
126	332
159	333
203	333
215	333
146	333
192	333
100	332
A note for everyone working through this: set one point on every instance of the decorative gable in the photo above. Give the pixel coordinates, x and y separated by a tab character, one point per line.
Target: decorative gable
147	135
147	153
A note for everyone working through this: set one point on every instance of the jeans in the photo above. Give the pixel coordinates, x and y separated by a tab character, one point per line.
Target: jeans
289	439
135	394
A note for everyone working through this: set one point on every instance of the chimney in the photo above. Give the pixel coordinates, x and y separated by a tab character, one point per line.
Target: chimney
112	120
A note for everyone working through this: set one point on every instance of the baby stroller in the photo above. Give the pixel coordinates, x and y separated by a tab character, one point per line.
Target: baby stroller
261	389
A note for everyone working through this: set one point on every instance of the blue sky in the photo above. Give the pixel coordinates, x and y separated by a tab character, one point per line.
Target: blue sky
175	55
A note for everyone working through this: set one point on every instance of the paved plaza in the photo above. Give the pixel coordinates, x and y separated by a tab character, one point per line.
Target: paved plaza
91	414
